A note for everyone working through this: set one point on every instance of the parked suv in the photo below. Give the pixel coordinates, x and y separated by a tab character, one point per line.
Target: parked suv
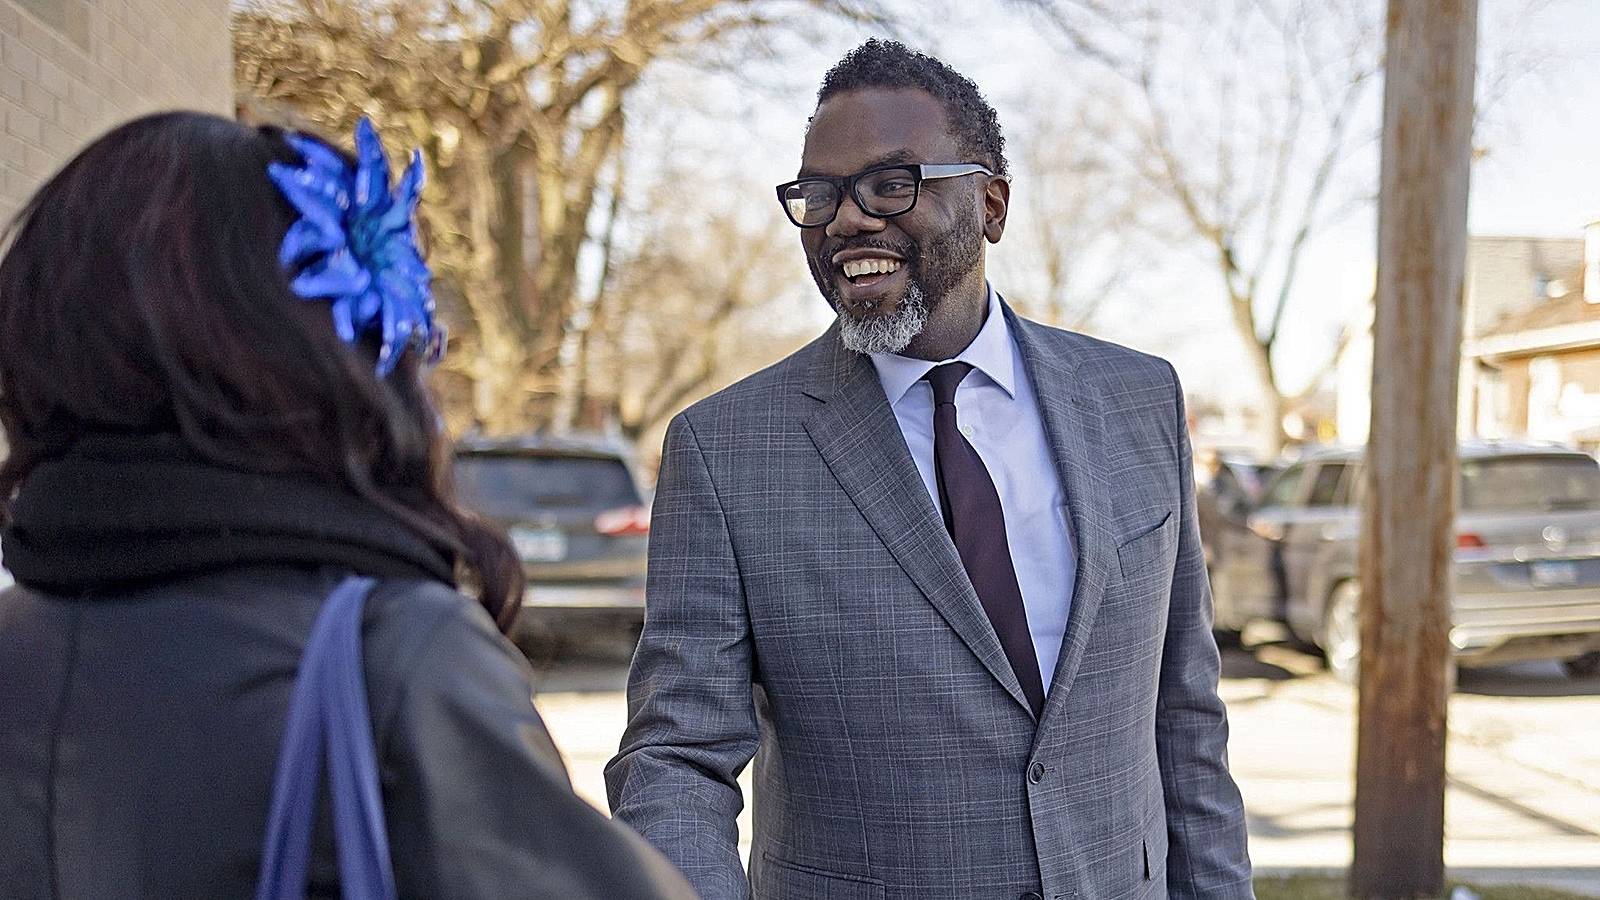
578	518
1527	559
1227	487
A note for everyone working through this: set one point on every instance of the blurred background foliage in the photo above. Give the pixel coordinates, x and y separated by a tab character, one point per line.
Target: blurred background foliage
604	239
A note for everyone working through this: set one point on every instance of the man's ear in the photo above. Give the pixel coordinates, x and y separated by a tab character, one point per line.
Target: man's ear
996	204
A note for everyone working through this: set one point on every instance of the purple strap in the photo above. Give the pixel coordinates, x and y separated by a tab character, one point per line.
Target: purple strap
328	715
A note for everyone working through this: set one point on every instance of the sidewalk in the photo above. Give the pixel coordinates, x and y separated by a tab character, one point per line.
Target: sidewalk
1523	801
1524	756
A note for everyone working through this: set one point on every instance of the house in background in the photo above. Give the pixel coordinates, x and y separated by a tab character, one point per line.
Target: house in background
1530	362
1537	368
70	69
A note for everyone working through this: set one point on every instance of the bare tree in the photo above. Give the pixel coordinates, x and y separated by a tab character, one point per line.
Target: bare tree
520	107
689	310
1255	121
1245	115
1074	241
699	272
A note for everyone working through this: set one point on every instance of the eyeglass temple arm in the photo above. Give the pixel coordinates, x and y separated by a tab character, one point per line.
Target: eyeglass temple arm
953	170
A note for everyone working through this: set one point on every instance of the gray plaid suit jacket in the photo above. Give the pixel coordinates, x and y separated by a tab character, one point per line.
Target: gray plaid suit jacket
807	609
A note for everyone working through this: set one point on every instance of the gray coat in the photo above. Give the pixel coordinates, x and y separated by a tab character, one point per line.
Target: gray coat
807	608
139	730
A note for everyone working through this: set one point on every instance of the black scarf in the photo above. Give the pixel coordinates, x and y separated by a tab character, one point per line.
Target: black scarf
123	510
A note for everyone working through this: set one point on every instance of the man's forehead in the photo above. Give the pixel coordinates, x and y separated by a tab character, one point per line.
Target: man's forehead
875	126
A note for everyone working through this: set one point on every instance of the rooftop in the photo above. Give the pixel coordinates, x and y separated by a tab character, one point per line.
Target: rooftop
1473	449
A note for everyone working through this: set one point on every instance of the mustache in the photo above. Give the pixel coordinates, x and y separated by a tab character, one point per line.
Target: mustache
906	250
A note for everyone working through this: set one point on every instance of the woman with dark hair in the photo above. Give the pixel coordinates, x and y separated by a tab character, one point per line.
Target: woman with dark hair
209	384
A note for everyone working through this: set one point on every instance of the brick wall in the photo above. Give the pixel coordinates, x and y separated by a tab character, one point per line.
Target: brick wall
1503	274
70	69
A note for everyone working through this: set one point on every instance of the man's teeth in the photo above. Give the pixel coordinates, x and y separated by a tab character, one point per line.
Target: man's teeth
858	267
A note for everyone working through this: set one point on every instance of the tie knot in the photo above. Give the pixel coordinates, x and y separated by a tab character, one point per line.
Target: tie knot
944	379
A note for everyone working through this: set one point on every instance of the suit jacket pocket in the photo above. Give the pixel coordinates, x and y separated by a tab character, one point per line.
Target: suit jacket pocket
783	880
1149	550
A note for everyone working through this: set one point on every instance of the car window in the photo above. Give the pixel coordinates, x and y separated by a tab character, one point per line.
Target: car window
1255	477
1530	484
1351	489
1225	482
1285	490
1242	478
1325	490
510	486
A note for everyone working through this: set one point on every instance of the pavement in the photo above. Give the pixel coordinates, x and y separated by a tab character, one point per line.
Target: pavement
1522	805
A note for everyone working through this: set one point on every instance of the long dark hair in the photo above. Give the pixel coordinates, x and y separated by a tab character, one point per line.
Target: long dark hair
141	292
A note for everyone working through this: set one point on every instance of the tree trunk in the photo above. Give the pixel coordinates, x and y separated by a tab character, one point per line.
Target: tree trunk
494	287
1407	540
1259	354
501	399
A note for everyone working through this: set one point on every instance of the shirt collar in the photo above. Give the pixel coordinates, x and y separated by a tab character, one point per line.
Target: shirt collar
991	353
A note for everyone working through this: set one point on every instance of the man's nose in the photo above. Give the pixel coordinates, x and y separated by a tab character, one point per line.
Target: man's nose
852	220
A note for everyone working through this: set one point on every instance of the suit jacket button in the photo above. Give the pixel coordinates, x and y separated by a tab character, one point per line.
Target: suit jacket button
1031	895
1036	775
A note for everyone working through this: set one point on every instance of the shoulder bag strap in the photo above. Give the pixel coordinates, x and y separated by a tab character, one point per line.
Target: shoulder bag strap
328	716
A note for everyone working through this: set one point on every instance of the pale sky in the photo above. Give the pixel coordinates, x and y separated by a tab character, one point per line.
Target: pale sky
1541	175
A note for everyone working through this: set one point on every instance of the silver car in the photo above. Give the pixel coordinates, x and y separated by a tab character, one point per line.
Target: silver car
1527	560
574	509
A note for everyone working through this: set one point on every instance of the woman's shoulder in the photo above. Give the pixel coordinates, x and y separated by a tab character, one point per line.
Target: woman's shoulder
406	614
420	603
421	637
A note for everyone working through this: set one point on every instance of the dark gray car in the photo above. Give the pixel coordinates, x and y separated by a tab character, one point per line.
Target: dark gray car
580	521
1227	488
1527	563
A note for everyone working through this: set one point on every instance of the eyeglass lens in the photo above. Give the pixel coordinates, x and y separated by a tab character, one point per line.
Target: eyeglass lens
886	192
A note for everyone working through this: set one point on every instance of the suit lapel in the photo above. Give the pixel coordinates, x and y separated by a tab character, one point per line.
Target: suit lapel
856	433
1075	430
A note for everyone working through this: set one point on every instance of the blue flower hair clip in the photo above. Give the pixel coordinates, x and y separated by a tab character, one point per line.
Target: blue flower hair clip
355	245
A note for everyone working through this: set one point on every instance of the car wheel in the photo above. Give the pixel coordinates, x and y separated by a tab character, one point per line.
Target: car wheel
540	644
1341	632
1585	666
1226	636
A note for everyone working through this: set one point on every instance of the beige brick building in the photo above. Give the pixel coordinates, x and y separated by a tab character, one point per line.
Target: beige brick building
1530	355
70	69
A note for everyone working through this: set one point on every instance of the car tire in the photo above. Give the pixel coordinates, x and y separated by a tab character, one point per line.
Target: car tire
1340	636
1227	638
1582	667
540	644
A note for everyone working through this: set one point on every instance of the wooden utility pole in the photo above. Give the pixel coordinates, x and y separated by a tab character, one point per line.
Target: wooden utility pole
1408	533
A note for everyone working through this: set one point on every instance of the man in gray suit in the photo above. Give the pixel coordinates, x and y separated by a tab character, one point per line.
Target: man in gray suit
938	572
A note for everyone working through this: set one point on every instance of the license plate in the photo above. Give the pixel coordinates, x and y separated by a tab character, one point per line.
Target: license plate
539	544
1553	573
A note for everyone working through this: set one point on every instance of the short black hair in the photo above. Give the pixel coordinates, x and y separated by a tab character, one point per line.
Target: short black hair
891	64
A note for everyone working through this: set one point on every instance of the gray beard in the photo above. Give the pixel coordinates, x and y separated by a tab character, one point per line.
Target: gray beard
886	334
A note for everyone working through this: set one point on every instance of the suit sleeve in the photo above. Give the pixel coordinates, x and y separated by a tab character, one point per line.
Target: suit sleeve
1206	849
478	800
692	724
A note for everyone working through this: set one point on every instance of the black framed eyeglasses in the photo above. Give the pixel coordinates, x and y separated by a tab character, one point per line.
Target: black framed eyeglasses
882	192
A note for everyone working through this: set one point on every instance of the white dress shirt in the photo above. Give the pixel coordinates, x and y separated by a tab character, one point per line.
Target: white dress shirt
999	416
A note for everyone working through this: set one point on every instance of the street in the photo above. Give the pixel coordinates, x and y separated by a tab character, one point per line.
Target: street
1524	760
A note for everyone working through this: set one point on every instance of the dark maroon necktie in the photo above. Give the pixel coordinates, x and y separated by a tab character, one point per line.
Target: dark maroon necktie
978	526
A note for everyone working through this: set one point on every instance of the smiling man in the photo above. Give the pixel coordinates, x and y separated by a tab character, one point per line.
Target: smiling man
938	573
